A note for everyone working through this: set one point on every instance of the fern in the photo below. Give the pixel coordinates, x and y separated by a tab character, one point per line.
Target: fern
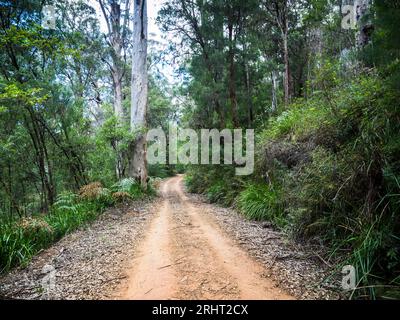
67	202
124	185
131	186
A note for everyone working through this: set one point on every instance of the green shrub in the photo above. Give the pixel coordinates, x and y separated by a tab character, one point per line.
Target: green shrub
128	185
331	174
217	183
195	180
262	202
15	247
133	188
220	192
301	120
345	191
21	239
312	196
160	171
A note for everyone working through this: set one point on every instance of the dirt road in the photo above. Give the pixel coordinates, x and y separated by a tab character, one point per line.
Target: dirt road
174	247
185	255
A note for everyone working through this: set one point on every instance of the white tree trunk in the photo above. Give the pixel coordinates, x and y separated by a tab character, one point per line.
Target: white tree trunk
118	96
274	84
119	113
116	30
137	163
286	79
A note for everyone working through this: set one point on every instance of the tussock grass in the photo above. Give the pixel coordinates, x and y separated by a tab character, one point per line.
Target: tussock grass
21	239
328	172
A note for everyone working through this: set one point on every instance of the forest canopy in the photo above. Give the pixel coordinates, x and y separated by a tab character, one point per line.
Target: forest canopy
323	101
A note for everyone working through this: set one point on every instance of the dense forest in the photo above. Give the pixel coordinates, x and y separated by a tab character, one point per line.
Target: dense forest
318	81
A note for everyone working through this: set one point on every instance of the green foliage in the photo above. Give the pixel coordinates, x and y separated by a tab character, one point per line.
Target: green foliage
344	188
330	168
130	186
313	192
216	192
262	202
22	239
384	51
296	122
133	188
14	247
218	183
13	94
162	171
328	162
194	181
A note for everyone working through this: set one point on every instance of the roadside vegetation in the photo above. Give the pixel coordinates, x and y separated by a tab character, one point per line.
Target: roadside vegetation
65	97
22	237
324	101
328	173
327	164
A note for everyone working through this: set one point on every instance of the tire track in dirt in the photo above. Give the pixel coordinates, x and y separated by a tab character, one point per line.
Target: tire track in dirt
185	255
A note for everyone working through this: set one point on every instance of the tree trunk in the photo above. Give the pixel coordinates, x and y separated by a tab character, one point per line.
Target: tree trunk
274	85
137	163
113	20
116	32
249	99
117	74
286	62
232	85
44	167
119	166
117	81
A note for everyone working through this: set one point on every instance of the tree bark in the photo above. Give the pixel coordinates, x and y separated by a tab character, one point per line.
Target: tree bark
232	85
286	62
274	85
279	9
139	92
250	115
42	160
116	32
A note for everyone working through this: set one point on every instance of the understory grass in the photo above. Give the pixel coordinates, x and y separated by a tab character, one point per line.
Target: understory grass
22	238
328	172
262	202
